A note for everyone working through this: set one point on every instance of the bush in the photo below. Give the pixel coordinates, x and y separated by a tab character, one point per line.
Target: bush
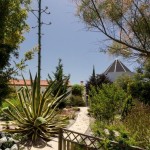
138	123
133	130
116	132
140	90
75	101
108	102
77	90
123	82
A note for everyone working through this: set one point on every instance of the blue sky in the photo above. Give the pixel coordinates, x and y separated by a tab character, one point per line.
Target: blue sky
68	39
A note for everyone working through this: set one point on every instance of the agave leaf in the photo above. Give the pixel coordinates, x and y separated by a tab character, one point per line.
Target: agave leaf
27	89
43	99
31	80
28	94
60	98
17	112
53	88
42	130
39	121
34	96
6	110
20	130
55	104
24	106
28	102
51	115
45	137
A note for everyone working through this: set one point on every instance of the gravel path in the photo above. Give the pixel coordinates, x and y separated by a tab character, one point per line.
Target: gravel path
80	125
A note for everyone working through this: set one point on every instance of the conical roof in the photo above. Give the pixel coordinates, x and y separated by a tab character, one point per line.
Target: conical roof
117	69
117	66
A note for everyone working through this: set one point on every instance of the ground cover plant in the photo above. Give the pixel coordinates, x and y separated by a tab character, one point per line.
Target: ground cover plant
119	117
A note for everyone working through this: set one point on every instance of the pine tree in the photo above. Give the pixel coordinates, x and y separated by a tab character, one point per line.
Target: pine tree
96	80
92	81
61	80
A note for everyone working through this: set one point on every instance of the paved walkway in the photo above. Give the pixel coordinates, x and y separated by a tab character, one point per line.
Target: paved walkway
80	125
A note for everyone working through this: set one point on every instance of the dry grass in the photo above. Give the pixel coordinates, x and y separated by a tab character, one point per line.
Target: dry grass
69	112
138	123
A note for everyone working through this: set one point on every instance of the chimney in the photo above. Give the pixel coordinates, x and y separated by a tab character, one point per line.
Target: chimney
81	82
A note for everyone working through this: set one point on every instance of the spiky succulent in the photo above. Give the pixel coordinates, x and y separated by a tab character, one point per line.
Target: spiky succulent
37	117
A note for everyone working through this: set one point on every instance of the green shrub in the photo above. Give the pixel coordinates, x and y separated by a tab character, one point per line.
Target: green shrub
75	101
138	123
108	102
124	81
140	90
96	81
133	130
116	132
77	90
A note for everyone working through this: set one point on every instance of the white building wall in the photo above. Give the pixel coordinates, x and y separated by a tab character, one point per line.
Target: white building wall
114	75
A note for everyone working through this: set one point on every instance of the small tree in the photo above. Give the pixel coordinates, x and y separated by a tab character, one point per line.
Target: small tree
124	81
96	81
61	81
125	22
12	25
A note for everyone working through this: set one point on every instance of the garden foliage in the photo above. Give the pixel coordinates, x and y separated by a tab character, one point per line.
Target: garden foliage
96	81
76	98
60	79
123	108
137	122
77	90
75	101
13	15
108	102
38	116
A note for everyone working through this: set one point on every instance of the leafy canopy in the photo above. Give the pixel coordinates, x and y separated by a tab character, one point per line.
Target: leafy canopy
126	23
13	14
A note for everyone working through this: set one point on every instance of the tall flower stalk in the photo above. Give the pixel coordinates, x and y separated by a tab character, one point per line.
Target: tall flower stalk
39	52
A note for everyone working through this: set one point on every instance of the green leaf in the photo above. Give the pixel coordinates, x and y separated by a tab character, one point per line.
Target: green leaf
39	121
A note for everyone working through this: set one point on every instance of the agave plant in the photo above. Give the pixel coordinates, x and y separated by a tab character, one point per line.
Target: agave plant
38	118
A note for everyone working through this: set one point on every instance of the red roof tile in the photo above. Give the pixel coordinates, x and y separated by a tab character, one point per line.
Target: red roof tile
20	82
